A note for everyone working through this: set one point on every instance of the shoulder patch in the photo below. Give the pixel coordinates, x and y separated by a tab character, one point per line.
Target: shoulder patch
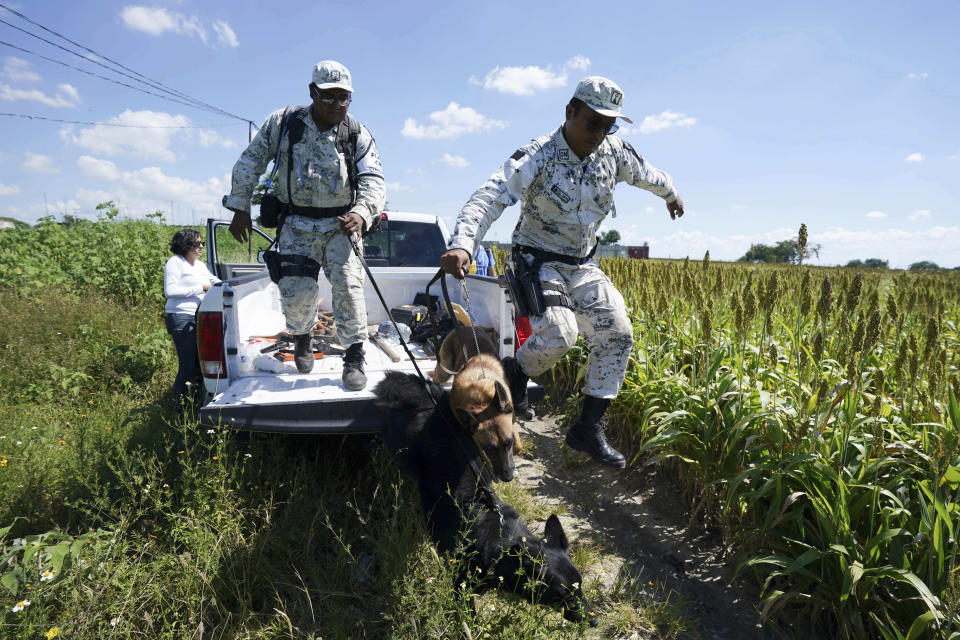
517	154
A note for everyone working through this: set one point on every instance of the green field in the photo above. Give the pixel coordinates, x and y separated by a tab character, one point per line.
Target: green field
808	414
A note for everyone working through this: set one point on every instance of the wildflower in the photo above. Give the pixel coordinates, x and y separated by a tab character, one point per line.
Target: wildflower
210	431
3	462
114	621
491	607
500	578
523	538
430	580
46	576
478	569
53	633
214	457
20	606
463	585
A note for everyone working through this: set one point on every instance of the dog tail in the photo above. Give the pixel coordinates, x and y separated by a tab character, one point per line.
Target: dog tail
405	392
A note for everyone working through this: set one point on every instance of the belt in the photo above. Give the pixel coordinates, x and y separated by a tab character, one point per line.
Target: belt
541	255
317	212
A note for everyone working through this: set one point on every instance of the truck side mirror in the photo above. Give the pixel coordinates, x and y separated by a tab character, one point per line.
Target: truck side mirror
260	256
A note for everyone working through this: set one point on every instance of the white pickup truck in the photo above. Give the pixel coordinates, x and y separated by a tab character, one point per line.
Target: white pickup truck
403	256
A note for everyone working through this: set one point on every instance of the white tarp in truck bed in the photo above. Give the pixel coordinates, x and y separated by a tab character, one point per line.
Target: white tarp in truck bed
307	403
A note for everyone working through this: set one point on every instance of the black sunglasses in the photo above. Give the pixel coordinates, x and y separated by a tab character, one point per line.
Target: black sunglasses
596	125
198	243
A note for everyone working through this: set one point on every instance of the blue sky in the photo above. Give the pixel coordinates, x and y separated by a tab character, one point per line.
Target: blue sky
767	115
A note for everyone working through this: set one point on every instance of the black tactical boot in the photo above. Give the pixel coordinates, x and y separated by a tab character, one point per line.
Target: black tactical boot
353	376
517	381
303	353
587	434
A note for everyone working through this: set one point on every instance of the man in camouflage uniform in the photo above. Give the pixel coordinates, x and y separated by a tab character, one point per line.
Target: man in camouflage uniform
566	182
325	213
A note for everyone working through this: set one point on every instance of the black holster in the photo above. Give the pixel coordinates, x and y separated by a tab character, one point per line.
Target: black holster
279	266
522	280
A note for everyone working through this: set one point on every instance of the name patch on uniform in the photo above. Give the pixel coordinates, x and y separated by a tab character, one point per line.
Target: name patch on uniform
517	154
616	97
560	193
563	154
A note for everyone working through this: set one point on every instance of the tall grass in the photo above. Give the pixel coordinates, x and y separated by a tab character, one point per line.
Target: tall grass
812	414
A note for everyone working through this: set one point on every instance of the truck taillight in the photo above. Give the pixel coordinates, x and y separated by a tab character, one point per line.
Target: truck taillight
210	345
524	331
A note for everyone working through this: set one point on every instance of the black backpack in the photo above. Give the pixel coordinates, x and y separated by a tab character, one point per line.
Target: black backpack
292	124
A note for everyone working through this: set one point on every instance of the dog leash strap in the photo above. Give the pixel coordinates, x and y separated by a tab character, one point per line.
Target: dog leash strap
354	239
473	325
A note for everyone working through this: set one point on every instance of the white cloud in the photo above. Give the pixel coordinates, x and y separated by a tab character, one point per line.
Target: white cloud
145	190
916	215
225	35
150	143
18	70
9	190
397	187
38	163
921	75
915	157
525	81
655	123
66	95
451	122
876	214
157	21
97	169
454	161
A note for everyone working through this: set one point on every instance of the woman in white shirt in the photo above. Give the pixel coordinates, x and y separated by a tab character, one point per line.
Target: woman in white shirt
185	280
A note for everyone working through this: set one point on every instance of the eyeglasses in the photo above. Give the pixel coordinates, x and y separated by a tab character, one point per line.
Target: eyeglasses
596	125
328	99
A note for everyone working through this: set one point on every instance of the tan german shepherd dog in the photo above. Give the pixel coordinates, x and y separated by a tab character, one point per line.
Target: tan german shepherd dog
480	400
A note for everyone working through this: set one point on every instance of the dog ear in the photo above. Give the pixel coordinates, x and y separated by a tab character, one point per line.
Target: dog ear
503	397
553	531
467	419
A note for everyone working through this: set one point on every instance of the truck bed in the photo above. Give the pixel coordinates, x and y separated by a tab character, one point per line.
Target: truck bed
317	402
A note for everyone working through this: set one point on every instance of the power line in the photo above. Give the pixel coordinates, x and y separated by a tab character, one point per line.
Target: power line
114	124
196	103
97	75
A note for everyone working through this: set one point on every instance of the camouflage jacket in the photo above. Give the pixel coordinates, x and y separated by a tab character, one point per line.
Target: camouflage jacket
319	177
565	199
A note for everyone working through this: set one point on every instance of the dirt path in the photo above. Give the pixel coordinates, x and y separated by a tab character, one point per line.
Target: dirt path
642	523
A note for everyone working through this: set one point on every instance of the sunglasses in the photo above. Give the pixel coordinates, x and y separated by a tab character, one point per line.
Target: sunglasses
596	125
329	99
198	244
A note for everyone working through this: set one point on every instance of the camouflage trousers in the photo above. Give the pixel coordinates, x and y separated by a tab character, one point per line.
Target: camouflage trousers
598	313
323	241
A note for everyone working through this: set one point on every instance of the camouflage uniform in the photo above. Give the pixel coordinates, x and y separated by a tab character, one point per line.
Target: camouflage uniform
564	202
318	178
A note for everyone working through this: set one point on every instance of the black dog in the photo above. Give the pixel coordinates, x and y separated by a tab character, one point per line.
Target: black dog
426	442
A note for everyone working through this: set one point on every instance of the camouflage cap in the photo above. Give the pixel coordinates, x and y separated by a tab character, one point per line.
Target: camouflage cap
330	74
602	95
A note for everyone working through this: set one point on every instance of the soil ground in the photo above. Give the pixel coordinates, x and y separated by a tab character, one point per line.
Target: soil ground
643	528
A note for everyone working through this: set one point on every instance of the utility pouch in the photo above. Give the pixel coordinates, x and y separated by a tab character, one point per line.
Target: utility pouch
270	210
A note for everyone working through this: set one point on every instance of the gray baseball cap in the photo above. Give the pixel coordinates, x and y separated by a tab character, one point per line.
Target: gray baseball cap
330	74
602	95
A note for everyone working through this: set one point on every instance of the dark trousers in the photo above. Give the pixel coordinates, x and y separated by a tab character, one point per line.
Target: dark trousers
182	327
